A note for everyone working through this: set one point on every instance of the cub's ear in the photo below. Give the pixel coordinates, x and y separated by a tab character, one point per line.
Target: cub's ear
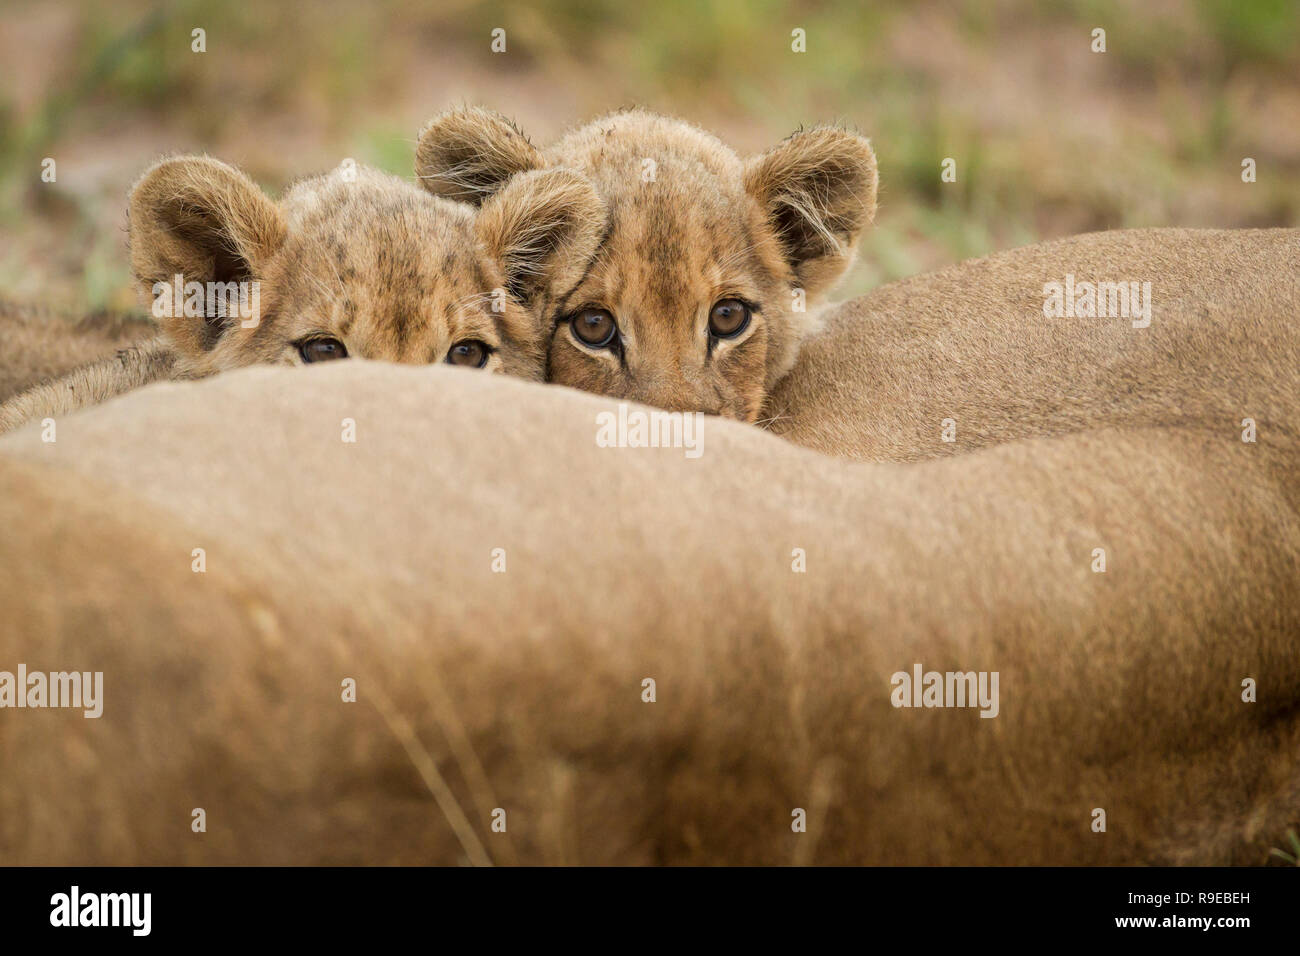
543	228
205	221
818	191
467	154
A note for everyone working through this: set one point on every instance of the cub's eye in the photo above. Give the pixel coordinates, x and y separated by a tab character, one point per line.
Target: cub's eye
594	327
728	318
470	353
322	350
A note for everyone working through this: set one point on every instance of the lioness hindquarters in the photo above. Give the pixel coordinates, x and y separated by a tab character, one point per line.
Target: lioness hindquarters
711	268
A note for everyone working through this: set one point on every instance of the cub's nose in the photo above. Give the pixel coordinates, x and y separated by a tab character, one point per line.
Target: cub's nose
677	398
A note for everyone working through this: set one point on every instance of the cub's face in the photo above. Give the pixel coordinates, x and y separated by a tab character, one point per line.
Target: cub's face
368	267
378	269
687	305
711	268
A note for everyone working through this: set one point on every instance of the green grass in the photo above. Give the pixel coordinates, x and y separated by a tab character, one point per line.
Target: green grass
387	149
1292	857
338	68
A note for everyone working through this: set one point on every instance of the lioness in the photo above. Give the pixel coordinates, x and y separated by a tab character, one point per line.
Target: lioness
349	263
1148	704
679	677
974	355
711	269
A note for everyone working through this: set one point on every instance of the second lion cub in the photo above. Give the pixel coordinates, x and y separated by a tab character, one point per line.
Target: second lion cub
366	266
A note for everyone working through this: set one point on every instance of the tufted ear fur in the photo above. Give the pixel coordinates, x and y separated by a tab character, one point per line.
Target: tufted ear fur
468	153
543	227
198	218
818	192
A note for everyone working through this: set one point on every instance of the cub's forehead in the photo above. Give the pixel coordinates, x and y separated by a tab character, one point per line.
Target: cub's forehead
670	234
372	202
665	173
675	193
628	138
380	226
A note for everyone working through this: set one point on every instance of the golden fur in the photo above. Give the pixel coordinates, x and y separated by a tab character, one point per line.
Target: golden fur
522	690
373	262
39	344
690	224
971	343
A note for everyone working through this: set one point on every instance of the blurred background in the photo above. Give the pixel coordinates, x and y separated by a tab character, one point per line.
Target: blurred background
1049	138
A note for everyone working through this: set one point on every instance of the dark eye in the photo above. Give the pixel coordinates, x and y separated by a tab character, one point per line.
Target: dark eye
322	350
594	327
470	353
728	318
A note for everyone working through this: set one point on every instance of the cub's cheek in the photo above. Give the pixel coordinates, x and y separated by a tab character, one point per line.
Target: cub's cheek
753	403
743	401
572	366
744	374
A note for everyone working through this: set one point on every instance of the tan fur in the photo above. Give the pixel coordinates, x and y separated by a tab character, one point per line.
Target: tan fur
710	226
38	345
522	690
971	344
390	271
129	369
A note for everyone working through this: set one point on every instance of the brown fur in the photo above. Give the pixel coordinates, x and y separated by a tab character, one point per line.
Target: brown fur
37	345
710	226
392	272
522	690
129	369
971	344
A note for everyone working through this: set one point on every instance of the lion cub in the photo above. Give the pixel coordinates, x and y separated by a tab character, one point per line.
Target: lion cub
711	267
343	265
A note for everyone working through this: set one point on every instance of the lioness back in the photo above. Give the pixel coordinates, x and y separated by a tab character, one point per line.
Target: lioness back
961	359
